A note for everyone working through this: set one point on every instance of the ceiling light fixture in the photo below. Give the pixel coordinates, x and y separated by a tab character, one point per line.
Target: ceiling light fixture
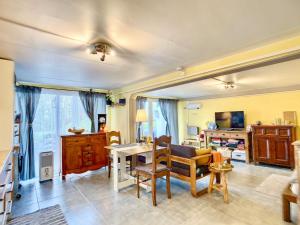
229	85
100	47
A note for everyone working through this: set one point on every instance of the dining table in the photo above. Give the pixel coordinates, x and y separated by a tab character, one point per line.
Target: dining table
119	152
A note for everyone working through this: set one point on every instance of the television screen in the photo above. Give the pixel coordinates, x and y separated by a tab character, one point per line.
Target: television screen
230	120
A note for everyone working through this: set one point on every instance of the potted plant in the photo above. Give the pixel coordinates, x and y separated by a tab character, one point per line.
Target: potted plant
109	99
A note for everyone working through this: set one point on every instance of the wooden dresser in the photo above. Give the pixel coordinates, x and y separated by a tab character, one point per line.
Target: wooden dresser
272	144
84	152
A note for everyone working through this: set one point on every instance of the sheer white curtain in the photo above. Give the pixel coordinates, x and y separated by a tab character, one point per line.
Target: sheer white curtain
57	111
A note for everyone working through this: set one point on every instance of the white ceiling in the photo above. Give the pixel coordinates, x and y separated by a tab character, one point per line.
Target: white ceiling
47	39
277	77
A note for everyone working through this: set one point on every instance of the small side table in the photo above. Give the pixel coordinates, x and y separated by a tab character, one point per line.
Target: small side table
222	187
287	197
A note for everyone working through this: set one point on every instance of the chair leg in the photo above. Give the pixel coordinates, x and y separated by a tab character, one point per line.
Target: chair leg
153	181
109	167
131	167
168	185
138	184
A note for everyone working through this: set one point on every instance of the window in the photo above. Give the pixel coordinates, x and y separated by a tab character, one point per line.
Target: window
57	112
156	125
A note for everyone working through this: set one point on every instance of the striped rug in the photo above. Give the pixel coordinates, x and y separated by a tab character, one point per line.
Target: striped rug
48	216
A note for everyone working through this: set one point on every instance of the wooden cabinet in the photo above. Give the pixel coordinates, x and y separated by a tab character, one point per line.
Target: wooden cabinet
272	145
81	153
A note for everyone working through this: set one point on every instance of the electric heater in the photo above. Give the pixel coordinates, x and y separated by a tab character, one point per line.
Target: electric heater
46	166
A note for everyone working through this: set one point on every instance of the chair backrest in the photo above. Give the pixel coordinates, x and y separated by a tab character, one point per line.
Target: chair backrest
161	155
113	137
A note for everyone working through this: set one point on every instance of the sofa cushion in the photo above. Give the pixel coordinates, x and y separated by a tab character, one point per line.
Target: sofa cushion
203	151
183	151
201	170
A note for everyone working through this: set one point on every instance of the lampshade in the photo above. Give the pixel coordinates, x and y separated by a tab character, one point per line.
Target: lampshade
141	115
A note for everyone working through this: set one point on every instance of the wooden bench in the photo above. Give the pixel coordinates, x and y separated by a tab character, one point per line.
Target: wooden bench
287	197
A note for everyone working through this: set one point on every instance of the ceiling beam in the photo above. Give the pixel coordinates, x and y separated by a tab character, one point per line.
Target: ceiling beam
276	52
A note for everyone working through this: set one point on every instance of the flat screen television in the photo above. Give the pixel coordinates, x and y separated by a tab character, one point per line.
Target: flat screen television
230	120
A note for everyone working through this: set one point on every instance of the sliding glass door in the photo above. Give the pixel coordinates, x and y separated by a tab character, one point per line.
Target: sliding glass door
156	124
56	113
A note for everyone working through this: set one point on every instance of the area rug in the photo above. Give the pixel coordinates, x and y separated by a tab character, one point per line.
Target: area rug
273	185
47	216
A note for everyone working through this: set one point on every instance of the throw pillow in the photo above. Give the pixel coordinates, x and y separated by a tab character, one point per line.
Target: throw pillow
203	151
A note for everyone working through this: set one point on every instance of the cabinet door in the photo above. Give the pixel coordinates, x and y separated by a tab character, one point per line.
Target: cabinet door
73	157
100	154
88	155
281	151
262	149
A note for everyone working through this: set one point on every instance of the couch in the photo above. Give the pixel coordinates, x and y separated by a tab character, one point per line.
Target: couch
186	166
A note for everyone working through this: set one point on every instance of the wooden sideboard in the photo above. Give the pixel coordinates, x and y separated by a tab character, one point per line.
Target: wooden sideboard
234	134
84	152
272	144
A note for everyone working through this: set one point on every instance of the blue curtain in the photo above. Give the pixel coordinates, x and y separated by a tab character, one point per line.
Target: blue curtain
91	102
140	104
168	109
28	99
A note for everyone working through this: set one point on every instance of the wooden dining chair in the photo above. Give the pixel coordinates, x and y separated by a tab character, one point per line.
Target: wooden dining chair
156	169
114	138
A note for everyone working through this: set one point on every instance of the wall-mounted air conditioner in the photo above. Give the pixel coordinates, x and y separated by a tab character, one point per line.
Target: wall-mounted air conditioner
193	106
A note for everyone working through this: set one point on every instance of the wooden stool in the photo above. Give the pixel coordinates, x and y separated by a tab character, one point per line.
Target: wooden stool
222	187
287	197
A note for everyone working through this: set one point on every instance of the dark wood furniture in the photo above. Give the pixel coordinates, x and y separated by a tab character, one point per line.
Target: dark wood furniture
227	134
84	152
156	169
114	138
272	144
287	197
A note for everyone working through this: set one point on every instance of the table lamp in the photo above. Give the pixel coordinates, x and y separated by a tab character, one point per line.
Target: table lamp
141	116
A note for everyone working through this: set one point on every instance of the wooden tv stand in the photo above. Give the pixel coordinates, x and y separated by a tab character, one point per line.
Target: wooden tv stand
234	134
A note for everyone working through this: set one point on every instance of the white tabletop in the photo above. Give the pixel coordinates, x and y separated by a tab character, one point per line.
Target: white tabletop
132	149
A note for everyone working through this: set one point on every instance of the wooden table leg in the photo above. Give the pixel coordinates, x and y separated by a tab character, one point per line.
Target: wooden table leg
211	182
224	186
286	210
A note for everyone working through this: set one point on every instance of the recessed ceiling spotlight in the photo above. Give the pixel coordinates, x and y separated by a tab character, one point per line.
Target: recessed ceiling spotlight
102	48
180	68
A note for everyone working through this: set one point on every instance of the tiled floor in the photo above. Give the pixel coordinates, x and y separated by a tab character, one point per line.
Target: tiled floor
89	199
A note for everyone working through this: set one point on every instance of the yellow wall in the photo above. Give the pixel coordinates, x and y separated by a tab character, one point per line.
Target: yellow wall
6	104
263	107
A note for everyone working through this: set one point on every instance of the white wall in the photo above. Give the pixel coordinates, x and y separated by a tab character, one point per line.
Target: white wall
6	104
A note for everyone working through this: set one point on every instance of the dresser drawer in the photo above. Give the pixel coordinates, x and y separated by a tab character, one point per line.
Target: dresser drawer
237	136
75	141
98	140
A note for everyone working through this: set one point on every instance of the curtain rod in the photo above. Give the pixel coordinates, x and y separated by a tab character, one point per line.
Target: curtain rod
61	88
156	97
